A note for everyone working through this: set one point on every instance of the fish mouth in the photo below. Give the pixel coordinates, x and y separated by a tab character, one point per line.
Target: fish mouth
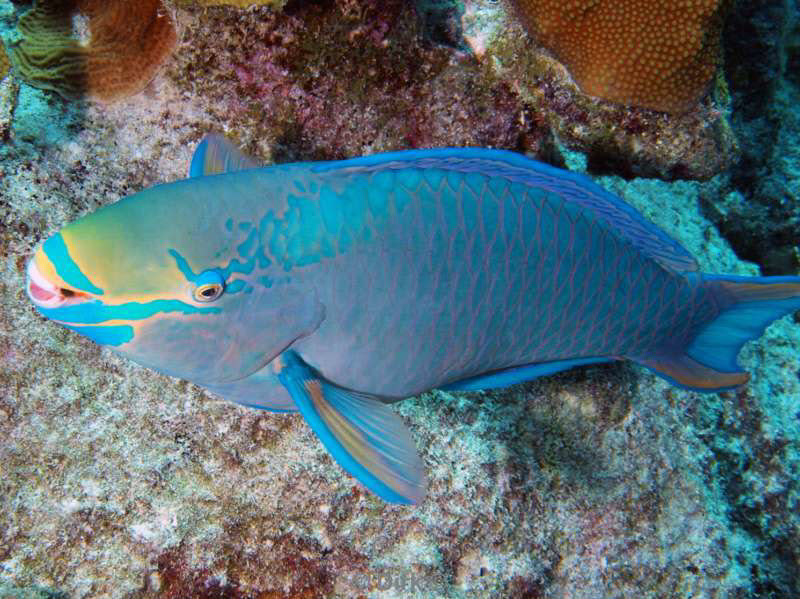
45	294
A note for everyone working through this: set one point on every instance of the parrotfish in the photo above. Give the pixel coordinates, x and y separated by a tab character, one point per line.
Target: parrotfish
337	288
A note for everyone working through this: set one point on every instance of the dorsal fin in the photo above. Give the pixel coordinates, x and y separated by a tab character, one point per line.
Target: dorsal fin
573	187
216	155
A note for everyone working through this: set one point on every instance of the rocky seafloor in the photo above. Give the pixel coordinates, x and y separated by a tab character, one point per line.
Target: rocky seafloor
599	482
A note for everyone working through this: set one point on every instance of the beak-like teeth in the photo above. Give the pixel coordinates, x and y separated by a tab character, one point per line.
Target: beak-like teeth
41	291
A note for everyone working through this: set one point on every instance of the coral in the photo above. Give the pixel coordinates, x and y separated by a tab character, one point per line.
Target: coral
649	53
618	139
4	62
9	88
628	141
127	42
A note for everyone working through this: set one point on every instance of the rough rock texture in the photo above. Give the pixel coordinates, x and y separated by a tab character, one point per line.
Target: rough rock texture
8	85
324	81
650	53
236	3
604	481
762	220
440	22
492	84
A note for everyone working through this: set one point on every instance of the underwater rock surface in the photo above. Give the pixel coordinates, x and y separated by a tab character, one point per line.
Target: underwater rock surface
605	481
762	220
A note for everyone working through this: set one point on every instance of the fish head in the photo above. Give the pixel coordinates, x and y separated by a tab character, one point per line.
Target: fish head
157	278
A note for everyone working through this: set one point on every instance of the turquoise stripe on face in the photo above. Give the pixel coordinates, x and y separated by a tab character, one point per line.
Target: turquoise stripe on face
183	265
106	335
96	312
56	250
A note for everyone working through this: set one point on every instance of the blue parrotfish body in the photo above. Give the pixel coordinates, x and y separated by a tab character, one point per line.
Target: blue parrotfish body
335	288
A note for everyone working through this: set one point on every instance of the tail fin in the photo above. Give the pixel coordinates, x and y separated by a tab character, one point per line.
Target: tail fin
709	363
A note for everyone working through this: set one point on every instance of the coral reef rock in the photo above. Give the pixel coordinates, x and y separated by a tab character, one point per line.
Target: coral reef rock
599	482
761	215
235	3
104	49
650	53
9	88
624	140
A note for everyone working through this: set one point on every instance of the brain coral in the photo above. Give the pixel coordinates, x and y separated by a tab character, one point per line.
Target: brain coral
659	54
125	42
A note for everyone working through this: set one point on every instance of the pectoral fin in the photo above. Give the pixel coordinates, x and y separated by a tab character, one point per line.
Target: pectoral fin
361	432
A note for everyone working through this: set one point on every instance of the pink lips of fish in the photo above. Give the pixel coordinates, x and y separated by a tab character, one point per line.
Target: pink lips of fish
45	294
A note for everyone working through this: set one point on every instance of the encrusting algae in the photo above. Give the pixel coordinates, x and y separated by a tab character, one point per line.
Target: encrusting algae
647	53
127	41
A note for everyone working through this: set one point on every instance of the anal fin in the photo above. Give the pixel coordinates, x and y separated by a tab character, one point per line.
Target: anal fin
518	374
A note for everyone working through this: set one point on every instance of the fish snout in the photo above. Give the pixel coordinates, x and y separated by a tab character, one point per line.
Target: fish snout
46	294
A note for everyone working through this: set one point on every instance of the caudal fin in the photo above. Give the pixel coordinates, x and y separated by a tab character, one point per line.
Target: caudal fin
709	362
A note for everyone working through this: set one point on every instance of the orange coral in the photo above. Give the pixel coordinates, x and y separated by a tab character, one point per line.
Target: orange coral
659	54
127	42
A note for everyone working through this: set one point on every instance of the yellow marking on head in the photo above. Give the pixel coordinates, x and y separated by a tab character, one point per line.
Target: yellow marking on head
47	269
143	298
125	269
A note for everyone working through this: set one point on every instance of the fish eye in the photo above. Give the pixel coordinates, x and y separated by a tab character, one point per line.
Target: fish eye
208	293
208	286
